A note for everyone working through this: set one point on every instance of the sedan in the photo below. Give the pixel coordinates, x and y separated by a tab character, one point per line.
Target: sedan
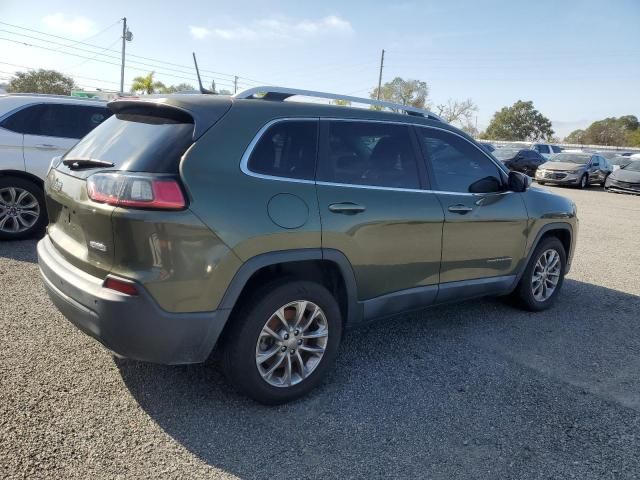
625	179
578	169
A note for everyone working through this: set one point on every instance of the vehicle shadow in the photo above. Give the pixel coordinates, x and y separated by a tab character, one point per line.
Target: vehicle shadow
452	391
19	250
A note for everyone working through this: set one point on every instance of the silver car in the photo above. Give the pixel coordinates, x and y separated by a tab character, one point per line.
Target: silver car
579	169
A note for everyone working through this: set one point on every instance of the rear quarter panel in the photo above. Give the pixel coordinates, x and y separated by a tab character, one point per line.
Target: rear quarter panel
234	205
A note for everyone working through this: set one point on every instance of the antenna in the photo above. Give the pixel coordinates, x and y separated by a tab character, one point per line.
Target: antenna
202	89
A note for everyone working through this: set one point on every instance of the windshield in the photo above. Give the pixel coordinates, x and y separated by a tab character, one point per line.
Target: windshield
632	167
578	158
620	161
505	153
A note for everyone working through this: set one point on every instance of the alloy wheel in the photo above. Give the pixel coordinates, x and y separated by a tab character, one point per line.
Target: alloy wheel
546	275
292	343
19	210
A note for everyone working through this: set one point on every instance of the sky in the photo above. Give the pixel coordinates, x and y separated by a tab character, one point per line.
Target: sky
578	61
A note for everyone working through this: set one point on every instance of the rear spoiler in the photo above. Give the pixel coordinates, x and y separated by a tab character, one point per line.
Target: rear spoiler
201	110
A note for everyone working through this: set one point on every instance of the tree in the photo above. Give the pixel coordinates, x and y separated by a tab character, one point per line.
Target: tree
342	103
521	121
457	111
181	87
147	85
405	92
620	131
42	81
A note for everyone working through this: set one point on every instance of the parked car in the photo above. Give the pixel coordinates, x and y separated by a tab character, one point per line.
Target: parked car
625	180
524	160
619	162
33	130
265	228
545	149
579	169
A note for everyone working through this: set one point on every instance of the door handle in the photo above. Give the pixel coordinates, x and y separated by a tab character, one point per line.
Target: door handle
459	208
45	146
346	208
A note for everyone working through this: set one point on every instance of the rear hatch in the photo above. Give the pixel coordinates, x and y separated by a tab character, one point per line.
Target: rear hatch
148	137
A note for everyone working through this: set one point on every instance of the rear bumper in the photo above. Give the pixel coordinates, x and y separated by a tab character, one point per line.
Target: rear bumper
131	326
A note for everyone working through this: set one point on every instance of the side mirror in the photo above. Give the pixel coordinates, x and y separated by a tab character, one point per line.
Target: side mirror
486	185
518	182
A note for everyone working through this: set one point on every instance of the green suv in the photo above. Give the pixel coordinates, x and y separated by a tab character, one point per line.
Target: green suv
261	229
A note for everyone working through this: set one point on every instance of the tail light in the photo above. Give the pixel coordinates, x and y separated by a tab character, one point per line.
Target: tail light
123	189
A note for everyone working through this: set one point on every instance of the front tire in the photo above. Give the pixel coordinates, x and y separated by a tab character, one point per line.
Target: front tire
543	277
22	209
283	341
583	182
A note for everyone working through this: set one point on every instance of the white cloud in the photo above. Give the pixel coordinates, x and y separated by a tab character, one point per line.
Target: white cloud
75	25
199	32
276	27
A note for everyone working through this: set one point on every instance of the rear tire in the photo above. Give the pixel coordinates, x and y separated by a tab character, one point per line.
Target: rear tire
540	183
543	278
258	341
23	212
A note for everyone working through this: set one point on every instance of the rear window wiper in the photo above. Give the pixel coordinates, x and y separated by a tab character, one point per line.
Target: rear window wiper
75	163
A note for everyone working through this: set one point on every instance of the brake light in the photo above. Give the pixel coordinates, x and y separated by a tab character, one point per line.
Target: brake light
120	286
136	191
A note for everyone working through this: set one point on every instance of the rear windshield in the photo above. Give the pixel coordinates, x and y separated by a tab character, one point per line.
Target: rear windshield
138	142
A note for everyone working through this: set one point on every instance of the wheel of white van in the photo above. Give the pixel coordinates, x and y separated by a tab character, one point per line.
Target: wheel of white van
543	277
584	181
283	341
22	209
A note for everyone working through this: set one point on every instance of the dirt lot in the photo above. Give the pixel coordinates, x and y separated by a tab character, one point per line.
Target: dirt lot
475	390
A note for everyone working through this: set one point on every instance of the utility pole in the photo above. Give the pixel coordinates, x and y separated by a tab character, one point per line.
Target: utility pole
235	84
127	36
380	76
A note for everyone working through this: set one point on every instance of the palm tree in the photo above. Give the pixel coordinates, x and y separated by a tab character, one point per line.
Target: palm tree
146	84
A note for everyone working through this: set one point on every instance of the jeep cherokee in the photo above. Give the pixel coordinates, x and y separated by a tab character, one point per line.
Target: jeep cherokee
264	227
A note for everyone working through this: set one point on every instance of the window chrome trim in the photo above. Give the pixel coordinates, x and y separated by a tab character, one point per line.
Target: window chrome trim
498	164
244	162
244	167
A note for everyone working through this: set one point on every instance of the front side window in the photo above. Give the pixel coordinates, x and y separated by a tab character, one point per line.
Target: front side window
370	153
287	149
458	166
543	148
556	149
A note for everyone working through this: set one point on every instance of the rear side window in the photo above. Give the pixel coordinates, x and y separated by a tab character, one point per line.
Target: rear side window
287	149
369	153
57	120
139	142
556	149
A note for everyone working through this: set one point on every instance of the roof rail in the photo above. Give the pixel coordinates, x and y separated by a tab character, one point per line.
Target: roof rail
282	93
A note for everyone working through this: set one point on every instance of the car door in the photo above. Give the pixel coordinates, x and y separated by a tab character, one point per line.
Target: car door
595	171
55	128
485	228
11	137
376	210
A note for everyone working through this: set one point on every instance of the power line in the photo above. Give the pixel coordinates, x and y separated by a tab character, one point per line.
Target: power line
230	75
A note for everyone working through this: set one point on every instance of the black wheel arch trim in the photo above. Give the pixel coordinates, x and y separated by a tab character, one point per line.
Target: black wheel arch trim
251	266
25	176
549	227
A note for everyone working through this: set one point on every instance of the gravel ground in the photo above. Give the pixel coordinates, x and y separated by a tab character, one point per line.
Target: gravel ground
475	390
